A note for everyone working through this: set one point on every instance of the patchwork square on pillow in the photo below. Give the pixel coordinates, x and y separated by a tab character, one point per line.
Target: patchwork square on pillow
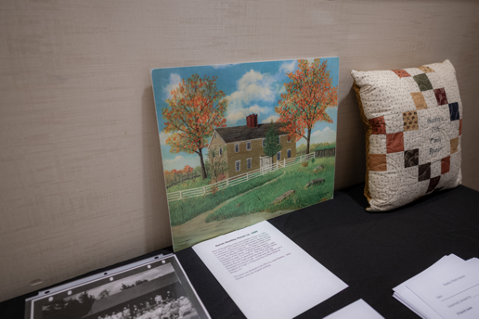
413	118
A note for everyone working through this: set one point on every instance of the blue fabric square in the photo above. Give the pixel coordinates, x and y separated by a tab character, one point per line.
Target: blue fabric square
454	112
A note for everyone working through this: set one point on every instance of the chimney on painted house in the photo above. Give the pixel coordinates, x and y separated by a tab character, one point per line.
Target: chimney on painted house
252	121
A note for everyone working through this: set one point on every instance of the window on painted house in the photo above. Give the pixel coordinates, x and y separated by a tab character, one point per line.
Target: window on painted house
278	155
289	153
237	148
237	165
249	146
249	163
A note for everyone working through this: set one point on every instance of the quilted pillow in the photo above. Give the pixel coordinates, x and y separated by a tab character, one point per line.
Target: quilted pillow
414	125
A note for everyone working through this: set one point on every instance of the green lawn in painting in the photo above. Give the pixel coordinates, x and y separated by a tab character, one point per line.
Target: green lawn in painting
183	210
189	184
293	178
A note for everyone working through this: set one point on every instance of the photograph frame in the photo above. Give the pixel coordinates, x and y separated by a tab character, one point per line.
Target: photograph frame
173	280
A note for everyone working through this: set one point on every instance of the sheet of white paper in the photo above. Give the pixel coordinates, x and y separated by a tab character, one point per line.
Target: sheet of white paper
356	310
403	294
451	289
414	303
266	274
451	258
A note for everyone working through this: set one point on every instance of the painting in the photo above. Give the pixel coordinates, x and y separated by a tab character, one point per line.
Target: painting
245	142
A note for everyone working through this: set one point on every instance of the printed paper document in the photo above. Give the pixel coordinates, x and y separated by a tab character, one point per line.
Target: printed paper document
266	274
447	289
356	310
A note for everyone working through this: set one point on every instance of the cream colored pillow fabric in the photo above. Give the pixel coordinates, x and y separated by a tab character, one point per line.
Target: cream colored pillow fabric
414	125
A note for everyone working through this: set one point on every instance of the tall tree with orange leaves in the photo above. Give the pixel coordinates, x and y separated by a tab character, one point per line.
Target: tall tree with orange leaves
308	94
194	109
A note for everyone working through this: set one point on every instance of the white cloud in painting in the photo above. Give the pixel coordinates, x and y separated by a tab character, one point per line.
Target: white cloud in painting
173	83
257	109
252	86
242	113
327	134
288	67
273	118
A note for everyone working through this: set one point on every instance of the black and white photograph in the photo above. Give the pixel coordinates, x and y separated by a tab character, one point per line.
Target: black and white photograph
158	289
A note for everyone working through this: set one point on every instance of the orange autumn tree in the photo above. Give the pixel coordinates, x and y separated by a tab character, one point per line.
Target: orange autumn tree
194	109
187	169
308	94
174	176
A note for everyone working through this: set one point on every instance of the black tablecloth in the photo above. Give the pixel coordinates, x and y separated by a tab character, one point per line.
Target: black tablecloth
371	252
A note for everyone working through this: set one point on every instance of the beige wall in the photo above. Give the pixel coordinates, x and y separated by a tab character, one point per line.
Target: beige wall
81	185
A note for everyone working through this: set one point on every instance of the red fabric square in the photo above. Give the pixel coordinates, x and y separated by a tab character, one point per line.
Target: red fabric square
401	73
441	96
460	128
394	142
377	162
445	165
377	125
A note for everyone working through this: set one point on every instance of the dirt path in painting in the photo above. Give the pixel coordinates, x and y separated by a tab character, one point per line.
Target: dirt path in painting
197	229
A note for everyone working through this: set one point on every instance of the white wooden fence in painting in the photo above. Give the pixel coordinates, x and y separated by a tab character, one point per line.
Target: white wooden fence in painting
233	181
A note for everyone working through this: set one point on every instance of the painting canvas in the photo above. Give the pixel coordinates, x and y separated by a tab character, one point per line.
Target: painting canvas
245	142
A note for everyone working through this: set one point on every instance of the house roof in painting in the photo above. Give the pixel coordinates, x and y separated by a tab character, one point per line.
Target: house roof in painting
242	133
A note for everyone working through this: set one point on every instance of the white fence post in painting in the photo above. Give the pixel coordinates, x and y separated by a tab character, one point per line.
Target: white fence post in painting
199	191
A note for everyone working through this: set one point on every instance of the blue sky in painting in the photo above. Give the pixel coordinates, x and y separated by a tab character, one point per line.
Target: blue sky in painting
249	87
